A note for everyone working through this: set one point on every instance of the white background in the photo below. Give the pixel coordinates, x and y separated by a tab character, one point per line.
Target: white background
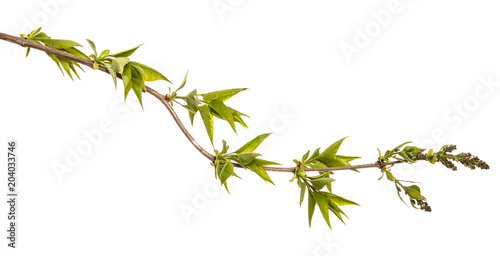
408	81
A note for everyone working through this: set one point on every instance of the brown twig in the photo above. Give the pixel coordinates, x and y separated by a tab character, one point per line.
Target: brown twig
89	63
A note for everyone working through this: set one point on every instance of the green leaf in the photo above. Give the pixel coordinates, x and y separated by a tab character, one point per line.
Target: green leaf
111	71
389	176
76	52
227	171
322	202
318	184
104	53
125	53
314	155
119	63
150	73
183	82
92	45
138	82
398	147
303	187
338	200
191	98
208	120
247	157
253	144
330	151
406	157
414	192
340	160
257	166
336	210
222	110
222	95
34	33
40	36
127	79
237	117
305	156
56	60
60	44
311	205
65	64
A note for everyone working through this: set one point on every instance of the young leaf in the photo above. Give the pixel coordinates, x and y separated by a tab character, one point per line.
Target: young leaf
127	78
247	157
119	63
414	192
338	200
257	166
125	53
222	95
222	110
208	120
303	187
138	82
183	82
111	71
92	45
104	54
227	171
253	144
149	73
60	44
330	151
311	205
318	184
65	64
322	202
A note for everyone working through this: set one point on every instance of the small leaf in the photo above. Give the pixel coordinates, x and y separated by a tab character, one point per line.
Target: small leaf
330	151
104	53
305	156
127	79
223	111
247	157
60	44
34	33
311	205
119	63
303	187
56	60
318	184
390	177
257	166
222	95
92	45
208	120
76	52
65	65
138	82
227	171
253	144
111	71
414	192
322	202
338	200
125	53
150	73
183	82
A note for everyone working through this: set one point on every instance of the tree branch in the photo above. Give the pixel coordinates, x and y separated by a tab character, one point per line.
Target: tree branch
89	63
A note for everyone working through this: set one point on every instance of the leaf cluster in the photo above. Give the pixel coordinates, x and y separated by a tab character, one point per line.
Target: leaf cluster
68	46
133	74
325	200
209	105
245	157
